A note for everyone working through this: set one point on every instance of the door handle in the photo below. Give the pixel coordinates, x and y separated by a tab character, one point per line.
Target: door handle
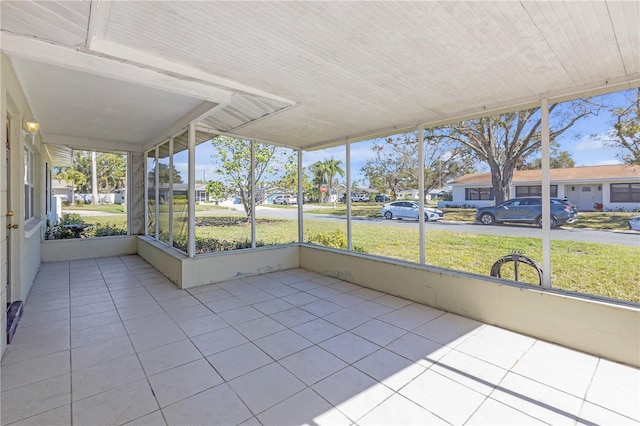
10	227
9	213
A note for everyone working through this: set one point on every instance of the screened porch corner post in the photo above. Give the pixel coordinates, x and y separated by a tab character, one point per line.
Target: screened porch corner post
348	159
252	190
300	199
191	235
420	131
170	193
156	182
546	195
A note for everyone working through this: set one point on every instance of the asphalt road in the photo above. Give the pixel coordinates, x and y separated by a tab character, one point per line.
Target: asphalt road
628	238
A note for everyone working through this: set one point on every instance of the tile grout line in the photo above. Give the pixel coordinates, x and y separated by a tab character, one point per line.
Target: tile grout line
70	354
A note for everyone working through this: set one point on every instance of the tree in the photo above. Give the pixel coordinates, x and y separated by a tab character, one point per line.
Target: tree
557	160
289	181
324	173
503	141
389	169
73	178
216	190
112	171
164	174
395	165
233	157
625	133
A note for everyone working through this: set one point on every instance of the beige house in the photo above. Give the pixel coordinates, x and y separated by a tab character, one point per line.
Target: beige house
129	328
615	187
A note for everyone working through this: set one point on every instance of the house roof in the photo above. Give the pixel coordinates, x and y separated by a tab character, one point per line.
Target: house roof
126	75
567	174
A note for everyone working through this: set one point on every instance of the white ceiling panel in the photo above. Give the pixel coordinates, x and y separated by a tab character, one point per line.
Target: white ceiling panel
64	22
351	68
82	105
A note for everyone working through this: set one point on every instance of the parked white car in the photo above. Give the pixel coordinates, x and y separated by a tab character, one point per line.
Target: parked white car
409	210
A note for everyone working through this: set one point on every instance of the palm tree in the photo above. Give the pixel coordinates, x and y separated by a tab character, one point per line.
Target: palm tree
73	178
325	171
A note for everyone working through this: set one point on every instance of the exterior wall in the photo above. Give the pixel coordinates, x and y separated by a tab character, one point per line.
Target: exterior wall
216	267
163	258
85	248
25	240
30	260
603	328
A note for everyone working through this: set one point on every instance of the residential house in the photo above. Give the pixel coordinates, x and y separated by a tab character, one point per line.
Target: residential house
615	187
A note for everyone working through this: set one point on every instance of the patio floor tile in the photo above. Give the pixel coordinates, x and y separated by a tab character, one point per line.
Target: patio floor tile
286	348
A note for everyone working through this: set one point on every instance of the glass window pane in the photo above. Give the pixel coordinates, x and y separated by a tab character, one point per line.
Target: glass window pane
151	193
594	260
276	195
164	200
482	223
383	171
180	191
325	215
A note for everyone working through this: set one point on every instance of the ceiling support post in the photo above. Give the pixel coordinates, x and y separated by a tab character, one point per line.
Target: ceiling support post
300	199
191	197
421	192
348	153
546	197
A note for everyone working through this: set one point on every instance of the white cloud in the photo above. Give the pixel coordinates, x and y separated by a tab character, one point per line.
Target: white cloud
592	142
609	163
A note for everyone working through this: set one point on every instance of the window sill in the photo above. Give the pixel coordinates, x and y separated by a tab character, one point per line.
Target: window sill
31	226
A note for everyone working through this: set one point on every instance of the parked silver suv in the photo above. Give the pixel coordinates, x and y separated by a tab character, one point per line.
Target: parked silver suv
527	210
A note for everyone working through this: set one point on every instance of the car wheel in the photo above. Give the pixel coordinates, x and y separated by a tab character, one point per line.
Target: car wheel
427	218
554	222
487	219
388	215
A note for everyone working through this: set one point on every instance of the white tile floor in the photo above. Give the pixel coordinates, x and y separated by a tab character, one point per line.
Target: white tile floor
111	341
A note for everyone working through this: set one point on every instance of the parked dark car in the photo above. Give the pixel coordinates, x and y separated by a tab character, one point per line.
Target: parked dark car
380	198
527	210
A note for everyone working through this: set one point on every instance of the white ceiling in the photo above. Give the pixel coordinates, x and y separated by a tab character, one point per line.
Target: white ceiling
305	74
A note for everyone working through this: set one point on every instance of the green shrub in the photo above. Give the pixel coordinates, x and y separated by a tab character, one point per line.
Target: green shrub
71	219
336	239
209	245
106	230
58	231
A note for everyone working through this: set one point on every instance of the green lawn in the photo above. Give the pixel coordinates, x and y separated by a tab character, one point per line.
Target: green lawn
108	208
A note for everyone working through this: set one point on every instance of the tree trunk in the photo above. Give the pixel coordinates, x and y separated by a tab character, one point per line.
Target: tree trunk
501	182
94	179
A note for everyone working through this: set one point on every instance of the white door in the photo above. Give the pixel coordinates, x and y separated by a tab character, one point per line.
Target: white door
5	250
587	198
